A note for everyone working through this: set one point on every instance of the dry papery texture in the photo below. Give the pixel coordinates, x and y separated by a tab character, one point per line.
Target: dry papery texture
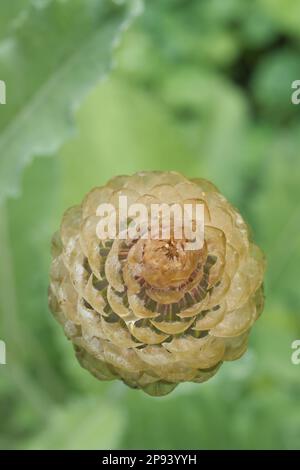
150	312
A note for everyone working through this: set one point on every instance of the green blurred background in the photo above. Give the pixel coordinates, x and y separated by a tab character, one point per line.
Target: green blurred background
202	87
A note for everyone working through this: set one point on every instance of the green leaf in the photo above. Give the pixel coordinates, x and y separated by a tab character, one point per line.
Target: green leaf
11	13
285	13
215	116
272	84
26	225
50	59
85	424
275	207
121	130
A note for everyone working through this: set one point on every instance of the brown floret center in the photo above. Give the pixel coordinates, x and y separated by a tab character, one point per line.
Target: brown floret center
167	263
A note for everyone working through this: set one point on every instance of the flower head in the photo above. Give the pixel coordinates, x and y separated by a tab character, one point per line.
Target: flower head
148	309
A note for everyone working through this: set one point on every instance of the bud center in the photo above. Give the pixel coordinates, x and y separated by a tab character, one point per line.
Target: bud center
167	263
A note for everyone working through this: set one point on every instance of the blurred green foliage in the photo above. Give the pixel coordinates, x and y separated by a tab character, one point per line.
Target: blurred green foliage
202	87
